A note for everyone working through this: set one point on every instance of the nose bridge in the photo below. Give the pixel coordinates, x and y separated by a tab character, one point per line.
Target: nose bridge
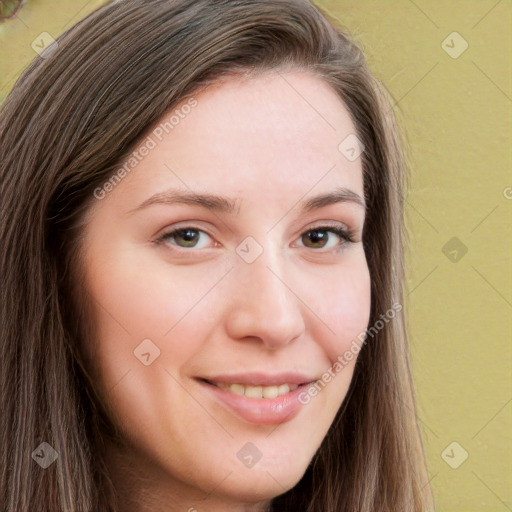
264	305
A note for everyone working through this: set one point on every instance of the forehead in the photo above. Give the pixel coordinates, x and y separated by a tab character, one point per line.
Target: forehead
267	136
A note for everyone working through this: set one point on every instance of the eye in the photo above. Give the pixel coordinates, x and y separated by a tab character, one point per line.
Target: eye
318	238
186	237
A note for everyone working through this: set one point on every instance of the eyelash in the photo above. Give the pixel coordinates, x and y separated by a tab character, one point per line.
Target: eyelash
343	234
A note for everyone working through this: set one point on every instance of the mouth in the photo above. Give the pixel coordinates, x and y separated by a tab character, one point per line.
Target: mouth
255	402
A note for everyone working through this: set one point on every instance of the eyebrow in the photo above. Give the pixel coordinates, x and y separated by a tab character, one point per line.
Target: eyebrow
222	204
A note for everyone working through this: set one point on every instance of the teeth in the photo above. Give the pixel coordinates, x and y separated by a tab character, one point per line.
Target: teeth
258	391
236	388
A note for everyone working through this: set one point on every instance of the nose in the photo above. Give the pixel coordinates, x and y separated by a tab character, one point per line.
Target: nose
263	304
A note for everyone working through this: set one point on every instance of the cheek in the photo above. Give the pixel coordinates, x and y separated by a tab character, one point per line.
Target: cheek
342	303
136	299
142	308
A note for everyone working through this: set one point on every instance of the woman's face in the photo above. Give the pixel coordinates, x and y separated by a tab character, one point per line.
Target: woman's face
246	300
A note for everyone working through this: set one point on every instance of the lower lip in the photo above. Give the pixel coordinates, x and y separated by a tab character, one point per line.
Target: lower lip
264	411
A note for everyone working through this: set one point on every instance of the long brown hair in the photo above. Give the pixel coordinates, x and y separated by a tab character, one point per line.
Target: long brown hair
73	115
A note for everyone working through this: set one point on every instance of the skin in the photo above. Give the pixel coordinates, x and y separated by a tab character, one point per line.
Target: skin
296	307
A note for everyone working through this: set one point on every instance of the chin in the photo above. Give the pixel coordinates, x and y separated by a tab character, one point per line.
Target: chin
262	485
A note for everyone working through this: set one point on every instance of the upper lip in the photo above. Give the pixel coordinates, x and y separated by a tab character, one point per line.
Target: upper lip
261	378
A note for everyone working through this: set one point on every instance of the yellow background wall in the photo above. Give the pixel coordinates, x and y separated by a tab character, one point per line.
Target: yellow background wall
457	116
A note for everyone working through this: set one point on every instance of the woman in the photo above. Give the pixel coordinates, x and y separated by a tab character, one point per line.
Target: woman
202	246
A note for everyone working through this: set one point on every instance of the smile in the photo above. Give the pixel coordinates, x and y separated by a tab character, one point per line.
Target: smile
264	400
257	391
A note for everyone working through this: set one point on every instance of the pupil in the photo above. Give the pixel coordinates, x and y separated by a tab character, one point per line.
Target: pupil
189	235
316	236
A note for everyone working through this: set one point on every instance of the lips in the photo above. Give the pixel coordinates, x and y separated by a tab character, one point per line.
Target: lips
257	397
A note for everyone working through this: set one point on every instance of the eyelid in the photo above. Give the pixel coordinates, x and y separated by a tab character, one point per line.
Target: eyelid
192	224
331	224
327	224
